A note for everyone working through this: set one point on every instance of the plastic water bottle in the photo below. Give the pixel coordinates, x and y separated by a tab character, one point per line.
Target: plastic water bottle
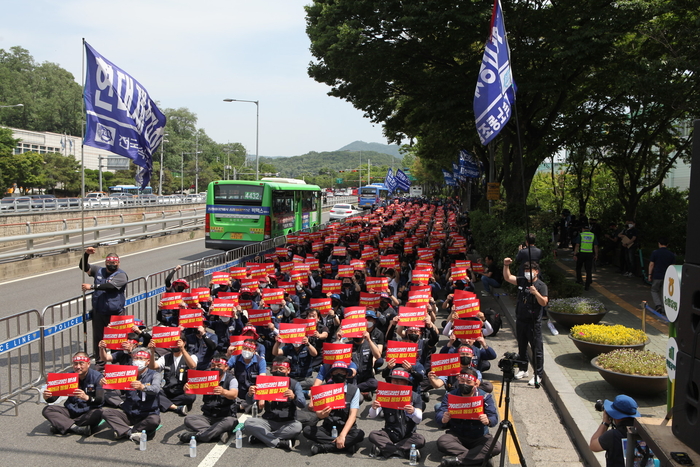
144	440
552	328
239	439
254	409
413	456
334	433
193	447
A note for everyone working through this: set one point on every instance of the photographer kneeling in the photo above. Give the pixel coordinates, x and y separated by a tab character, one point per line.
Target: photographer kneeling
620	413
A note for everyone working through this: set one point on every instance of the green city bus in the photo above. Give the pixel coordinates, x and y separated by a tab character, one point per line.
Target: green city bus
241	212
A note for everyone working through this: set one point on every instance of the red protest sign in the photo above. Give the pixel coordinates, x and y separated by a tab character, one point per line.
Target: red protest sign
222	307
477	267
401	351
282	251
463	294
466	329
353	327
377	284
202	382
259	317
393	396
337	353
327	395
170	301
388	261
203	294
421	276
426	254
62	384
273	296
466	307
312	262
288	287
291	333
237	343
323	305
237	273
191	300
250	283
459	274
309	324
121	322
220	277
114	337
410	316
228	295
120	376
468	408
357	265
345	270
463	263
339	250
368	253
331	286
190	318
271	388
369	300
420	294
354	312
165	337
445	364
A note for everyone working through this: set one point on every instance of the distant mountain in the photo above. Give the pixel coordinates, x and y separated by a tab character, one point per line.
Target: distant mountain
313	162
391	149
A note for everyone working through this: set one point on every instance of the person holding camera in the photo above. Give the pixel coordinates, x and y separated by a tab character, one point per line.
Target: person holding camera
619	414
532	297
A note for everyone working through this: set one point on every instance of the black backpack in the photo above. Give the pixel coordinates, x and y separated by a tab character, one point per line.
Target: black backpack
494	318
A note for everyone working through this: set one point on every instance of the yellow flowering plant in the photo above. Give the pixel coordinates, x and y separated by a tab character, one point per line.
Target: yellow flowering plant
609	335
633	362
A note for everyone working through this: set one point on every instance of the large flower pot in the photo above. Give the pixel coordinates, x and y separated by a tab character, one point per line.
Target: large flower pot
592	349
568	320
632	384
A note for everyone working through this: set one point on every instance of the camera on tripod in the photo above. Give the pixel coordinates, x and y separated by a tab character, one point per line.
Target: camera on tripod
509	361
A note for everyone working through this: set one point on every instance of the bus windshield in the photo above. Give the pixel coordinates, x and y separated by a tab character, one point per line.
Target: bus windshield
368	191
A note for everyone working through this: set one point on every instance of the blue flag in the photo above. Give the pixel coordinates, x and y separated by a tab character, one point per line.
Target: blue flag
402	181
495	88
449	179
121	117
390	181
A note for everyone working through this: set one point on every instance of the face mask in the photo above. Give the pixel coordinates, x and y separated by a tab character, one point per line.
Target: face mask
358	340
338	378
298	287
630	225
370	324
296	346
180	289
413	337
528	276
174	350
465	360
465	389
247	354
347	286
278	373
112	267
274	307
140	364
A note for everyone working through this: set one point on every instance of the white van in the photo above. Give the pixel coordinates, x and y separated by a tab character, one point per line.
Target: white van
415	191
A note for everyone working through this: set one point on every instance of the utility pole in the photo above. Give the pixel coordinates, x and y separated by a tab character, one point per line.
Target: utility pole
196	164
99	167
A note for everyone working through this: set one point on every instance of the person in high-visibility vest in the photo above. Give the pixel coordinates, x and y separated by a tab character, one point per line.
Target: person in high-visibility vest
585	252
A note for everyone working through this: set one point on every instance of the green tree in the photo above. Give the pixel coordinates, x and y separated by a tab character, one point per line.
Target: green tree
26	170
60	172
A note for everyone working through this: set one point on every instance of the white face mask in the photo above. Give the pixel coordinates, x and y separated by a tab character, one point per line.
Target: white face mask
529	276
274	307
296	346
140	364
247	354
630	225
370	324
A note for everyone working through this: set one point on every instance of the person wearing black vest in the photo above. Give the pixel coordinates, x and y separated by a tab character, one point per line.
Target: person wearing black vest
174	365
364	352
349	436
246	367
399	431
140	410
300	356
81	413
108	298
218	417
277	427
467	442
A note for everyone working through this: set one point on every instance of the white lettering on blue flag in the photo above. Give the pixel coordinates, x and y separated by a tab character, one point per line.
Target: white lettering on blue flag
121	117
495	88
390	180
402	180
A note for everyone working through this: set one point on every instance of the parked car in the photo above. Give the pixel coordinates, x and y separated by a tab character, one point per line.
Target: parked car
68	203
44	202
7	204
96	195
343	211
111	202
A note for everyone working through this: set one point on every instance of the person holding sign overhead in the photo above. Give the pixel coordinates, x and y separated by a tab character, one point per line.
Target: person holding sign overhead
81	413
467	440
174	366
277	427
400	423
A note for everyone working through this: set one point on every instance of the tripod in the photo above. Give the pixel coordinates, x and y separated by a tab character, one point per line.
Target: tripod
505	426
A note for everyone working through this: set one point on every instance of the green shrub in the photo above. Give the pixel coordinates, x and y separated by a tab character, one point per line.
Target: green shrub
634	362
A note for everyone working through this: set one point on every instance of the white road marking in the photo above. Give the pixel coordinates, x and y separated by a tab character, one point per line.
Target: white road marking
219	450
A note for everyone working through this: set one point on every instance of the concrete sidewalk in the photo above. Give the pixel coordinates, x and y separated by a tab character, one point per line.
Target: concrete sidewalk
570	380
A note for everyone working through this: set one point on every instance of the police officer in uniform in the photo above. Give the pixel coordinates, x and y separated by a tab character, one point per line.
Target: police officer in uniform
81	413
218	417
140	410
174	365
108	297
585	252
277	427
399	431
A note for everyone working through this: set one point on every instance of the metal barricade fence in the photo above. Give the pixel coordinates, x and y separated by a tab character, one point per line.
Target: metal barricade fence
136	304
21	365
64	332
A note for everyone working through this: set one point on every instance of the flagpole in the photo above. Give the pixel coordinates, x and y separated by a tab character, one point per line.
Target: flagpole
82	209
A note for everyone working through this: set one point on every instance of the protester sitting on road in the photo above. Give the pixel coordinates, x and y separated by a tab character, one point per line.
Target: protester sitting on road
277	427
81	412
344	420
174	366
246	367
620	414
467	442
218	418
139	410
399	432
300	357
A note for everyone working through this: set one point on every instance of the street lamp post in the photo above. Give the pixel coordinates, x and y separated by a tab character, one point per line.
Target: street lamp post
257	132
162	149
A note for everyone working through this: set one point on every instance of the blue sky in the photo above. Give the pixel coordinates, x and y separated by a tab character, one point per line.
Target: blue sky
195	54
